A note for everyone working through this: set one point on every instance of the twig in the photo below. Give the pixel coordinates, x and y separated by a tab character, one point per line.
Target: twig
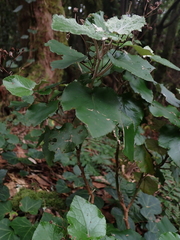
120	196
78	155
136	192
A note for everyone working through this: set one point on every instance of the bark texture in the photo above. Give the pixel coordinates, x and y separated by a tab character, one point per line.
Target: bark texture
39	18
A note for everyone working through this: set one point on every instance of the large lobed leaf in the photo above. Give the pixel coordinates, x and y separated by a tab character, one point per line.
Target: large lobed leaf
101	110
37	113
170	97
169	112
70	56
164	62
4	193
19	86
48	231
23	228
6	233
98	109
30	205
5	208
67	138
143	159
126	24
150	206
169	236
139	86
133	64
97	28
170	139
60	23
86	220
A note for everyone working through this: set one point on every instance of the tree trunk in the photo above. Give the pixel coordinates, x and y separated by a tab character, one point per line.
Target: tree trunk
168	44
38	17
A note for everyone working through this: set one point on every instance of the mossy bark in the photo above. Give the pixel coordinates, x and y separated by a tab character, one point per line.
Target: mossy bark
39	20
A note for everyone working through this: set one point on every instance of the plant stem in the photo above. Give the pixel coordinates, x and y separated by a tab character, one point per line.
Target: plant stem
98	60
104	70
136	192
120	196
78	155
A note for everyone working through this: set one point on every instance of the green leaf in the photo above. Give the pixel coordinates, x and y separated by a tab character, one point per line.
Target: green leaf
30	205
5	208
149	185
67	138
3	129
97	28
129	135
131	108
78	182
23	228
169	112
139	138
169	236
152	227
119	216
170	97
81	192
2	141
2	175
143	160
70	56
164	62
108	238
19	86
91	223
97	19
150	235
153	147
170	139
139	86
60	23
34	153
47	231
48	217
17	105
150	206
126	24
61	186
127	235
133	64
165	226
6	233
100	108
12	139
146	51
4	193
39	112
11	157
49	155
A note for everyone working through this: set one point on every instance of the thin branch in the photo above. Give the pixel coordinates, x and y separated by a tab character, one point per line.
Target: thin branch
78	155
120	196
104	70
136	192
174	5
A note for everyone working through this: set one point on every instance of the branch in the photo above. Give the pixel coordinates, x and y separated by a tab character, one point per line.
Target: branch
78	155
120	196
161	24
136	192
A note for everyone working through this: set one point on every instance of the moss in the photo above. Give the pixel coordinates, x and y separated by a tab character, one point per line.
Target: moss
50	199
54	8
34	72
